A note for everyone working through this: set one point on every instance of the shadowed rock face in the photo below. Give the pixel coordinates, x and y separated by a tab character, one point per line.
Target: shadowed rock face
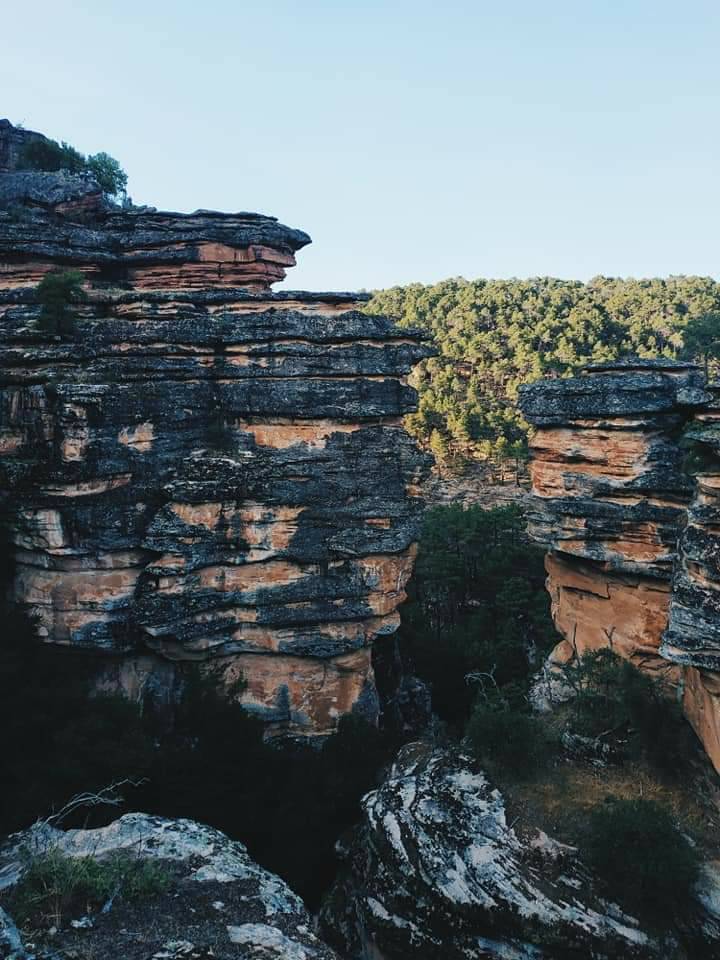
633	539
206	470
12	141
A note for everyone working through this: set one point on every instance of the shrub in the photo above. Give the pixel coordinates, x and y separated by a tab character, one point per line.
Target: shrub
51	156
613	698
508	737
55	885
55	293
108	173
644	860
597	681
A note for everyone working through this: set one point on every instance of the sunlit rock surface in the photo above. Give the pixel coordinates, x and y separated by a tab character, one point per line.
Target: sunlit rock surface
437	872
206	471
633	529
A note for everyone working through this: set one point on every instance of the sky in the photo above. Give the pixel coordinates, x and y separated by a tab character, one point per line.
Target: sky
412	140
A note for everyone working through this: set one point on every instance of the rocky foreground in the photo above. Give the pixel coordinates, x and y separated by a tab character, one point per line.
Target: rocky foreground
202	470
435	871
219	904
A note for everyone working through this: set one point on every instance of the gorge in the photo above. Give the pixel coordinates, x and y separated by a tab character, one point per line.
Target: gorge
203	479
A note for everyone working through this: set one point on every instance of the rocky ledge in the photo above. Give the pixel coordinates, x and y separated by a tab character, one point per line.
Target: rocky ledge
630	525
218	903
205	470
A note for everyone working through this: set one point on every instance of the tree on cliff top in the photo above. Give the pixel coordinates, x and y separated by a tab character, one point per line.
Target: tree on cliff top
51	156
108	173
702	338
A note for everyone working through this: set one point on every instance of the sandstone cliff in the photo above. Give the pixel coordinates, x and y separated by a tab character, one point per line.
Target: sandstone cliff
632	536
206	470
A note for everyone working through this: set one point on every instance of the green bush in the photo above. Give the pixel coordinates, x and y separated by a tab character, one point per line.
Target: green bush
55	885
644	860
614	699
56	293
508	737
51	156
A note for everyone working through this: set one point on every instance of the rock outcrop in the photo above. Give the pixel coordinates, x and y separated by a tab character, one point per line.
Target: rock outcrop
219	902
632	535
437	872
12	141
206	471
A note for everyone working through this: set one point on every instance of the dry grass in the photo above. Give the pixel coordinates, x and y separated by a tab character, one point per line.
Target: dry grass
560	799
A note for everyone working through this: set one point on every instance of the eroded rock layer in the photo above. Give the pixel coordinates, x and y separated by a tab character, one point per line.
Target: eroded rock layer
692	638
205	470
632	522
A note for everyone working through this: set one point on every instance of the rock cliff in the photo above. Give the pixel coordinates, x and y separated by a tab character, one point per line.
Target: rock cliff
632	534
206	470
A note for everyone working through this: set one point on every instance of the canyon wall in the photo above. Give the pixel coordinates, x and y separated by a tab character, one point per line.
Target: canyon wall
205	470
632	528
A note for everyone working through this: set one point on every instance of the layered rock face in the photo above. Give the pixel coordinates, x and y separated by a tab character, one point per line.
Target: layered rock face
632	536
692	638
12	141
206	471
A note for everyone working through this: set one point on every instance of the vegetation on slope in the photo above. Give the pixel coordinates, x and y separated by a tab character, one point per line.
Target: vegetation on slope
478	608
476	630
51	156
494	335
288	804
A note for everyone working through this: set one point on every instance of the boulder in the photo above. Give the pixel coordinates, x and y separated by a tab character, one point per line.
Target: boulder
437	872
221	903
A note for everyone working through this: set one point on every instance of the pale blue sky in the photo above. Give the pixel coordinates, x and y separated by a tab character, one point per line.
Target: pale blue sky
412	140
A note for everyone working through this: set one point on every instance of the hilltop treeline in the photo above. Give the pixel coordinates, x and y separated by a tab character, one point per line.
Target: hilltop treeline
494	335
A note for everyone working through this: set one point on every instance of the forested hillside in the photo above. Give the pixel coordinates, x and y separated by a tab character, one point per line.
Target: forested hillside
494	335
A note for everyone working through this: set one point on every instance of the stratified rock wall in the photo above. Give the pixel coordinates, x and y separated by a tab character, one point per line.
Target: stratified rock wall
633	538
692	638
206	471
